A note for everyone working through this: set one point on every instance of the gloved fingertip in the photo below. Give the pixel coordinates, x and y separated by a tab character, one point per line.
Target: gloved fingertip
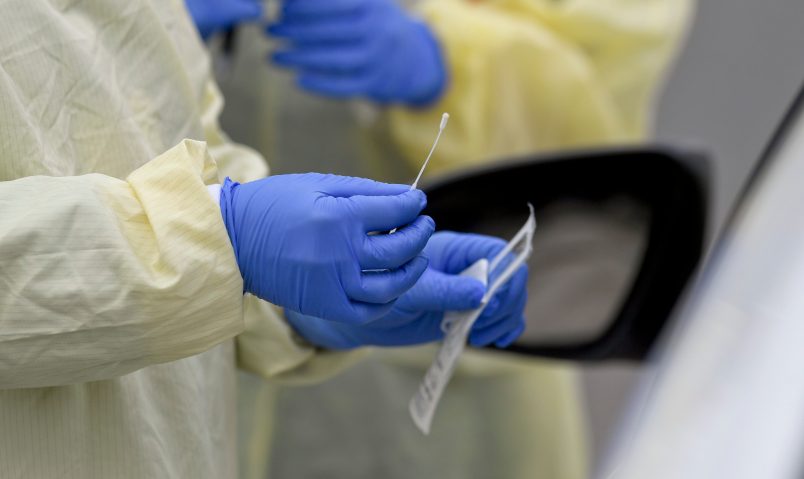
502	344
422	197
509	339
477	341
277	58
414	198
282	58
416	268
429	223
462	293
475	292
305	82
274	29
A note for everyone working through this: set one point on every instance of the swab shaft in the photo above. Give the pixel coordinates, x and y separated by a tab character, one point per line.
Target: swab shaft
444	120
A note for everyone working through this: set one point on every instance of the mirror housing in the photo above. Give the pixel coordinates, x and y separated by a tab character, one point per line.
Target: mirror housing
667	181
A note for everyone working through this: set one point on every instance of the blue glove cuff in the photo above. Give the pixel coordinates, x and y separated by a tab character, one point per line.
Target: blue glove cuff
227	211
324	334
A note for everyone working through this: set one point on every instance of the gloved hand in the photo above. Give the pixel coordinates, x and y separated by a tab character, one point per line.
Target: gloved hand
211	16
368	48
416	317
302	242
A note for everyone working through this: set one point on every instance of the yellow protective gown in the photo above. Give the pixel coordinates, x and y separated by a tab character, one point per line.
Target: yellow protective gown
539	75
120	292
525	76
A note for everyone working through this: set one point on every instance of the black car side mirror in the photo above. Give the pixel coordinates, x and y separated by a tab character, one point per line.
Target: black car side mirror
620	234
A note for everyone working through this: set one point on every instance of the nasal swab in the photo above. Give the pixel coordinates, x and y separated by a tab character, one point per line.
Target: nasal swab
444	121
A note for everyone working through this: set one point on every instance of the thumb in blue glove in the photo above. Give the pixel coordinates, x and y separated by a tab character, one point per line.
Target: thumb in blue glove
212	16
416	317
302	242
360	48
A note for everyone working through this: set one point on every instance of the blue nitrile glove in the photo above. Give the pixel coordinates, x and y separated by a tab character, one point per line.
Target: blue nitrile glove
302	242
211	16
366	48
416	317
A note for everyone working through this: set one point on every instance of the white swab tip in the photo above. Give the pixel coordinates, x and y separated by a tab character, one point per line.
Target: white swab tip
444	120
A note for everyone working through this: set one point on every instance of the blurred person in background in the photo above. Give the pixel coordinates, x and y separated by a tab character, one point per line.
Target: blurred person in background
518	77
